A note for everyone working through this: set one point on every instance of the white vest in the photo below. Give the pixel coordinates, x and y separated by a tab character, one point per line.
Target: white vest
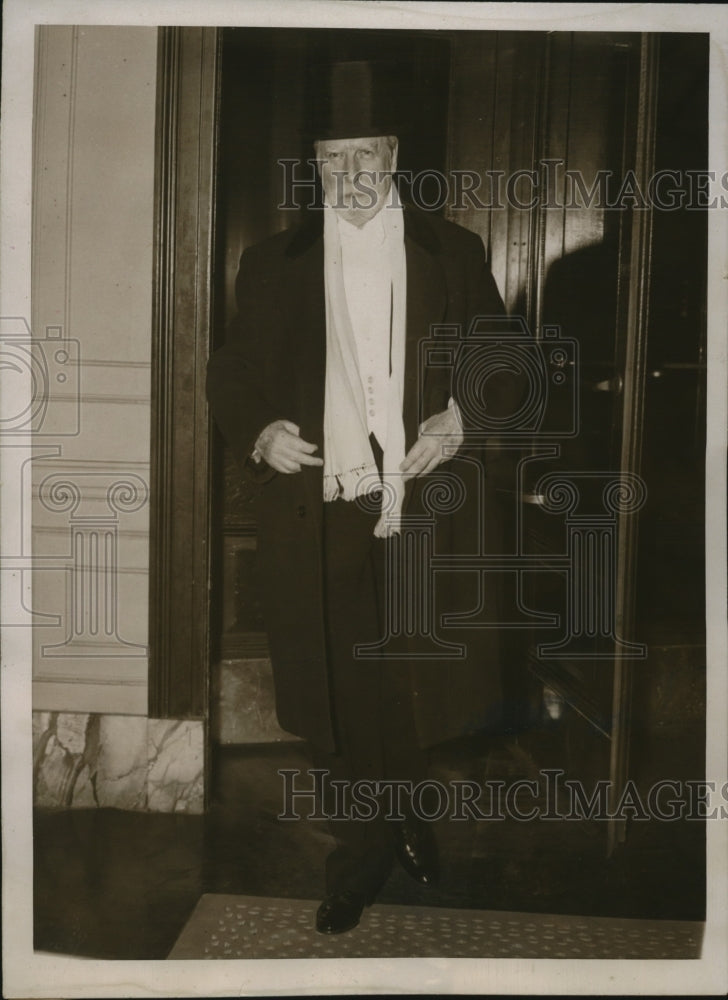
368	287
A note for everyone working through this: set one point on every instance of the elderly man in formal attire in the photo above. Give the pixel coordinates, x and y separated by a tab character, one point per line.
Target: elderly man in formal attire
320	393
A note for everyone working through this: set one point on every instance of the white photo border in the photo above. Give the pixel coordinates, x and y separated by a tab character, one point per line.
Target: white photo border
31	974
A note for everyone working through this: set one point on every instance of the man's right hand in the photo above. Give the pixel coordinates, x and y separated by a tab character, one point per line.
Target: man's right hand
283	449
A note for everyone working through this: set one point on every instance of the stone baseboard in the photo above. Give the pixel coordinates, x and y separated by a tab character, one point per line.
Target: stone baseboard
117	761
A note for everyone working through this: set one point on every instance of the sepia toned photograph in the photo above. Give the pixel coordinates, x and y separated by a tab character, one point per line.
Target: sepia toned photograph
361	443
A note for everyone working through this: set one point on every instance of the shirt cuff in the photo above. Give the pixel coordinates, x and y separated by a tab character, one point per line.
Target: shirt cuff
452	405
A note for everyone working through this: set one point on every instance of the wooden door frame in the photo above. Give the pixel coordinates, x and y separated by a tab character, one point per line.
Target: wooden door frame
637	269
188	92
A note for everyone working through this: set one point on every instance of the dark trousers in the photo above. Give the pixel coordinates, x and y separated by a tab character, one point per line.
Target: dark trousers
371	698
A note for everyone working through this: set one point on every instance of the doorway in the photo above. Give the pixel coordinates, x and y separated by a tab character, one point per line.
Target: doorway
499	103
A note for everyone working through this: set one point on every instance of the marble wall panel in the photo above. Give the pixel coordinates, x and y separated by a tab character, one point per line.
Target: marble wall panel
175	766
86	760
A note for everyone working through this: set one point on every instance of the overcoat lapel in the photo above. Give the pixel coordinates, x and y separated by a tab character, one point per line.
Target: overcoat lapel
306	317
426	305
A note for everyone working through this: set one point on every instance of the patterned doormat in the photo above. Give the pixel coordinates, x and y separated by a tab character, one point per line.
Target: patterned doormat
256	927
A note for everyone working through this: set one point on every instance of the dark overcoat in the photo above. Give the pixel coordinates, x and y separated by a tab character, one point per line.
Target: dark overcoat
272	367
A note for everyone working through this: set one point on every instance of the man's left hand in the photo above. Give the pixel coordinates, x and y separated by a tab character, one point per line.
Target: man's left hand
440	437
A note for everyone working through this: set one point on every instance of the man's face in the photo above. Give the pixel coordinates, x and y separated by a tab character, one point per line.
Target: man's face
357	174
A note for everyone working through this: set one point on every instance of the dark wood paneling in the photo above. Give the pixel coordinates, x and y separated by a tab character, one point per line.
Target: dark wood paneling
180	495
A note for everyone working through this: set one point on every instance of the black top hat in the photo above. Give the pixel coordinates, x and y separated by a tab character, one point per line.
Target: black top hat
355	98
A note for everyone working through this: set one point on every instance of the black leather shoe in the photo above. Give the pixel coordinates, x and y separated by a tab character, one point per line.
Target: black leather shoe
416	849
339	912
